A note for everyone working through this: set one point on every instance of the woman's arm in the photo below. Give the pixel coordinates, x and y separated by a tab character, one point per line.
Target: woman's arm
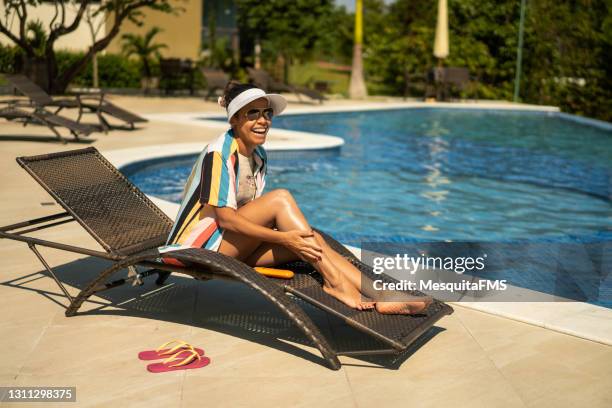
217	191
230	219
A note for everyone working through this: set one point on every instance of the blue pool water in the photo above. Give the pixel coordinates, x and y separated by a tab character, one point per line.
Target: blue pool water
439	174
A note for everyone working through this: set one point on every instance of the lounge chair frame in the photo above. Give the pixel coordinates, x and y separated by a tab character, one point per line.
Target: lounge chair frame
86	204
14	111
95	103
264	80
176	71
216	80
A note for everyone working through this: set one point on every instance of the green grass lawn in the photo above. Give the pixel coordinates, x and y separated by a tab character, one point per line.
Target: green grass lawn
307	73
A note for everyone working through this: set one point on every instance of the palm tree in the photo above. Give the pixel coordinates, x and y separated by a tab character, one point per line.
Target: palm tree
37	36
143	48
357	88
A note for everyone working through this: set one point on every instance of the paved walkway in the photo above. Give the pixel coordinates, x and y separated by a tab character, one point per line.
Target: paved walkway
258	359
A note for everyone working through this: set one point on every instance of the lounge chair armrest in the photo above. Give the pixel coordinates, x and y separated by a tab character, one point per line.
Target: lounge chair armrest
16	102
10	101
98	96
92	95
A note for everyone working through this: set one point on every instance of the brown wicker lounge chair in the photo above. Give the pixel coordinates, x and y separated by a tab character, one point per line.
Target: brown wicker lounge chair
442	81
95	103
263	80
176	74
14	111
130	228
215	81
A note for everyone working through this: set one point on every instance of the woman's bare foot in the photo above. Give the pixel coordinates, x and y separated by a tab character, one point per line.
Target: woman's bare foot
403	307
347	294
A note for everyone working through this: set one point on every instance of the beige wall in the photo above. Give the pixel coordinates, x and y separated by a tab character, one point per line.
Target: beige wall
181	32
78	40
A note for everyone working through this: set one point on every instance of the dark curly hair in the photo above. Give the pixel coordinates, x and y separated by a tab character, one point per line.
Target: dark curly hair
232	90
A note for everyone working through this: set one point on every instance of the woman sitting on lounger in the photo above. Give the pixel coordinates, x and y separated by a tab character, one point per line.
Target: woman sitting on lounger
224	209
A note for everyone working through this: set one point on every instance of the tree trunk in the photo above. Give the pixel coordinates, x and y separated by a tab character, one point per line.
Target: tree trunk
52	70
36	68
58	86
96	77
61	82
357	88
286	63
279	67
43	72
257	54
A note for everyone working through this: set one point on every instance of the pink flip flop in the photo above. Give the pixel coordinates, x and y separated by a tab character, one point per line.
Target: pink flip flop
183	360
164	351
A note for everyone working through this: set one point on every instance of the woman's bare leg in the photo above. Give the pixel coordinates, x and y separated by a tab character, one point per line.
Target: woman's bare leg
388	302
279	209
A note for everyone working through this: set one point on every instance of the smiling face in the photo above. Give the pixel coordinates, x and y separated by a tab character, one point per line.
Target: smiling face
251	132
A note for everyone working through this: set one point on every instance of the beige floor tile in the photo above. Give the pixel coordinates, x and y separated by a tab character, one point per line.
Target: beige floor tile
546	379
39	297
25	307
17	343
36	291
94	350
128	306
6	381
543	365
495	333
578	354
103	389
450	369
453	347
236	357
499	338
477	384
595	394
291	391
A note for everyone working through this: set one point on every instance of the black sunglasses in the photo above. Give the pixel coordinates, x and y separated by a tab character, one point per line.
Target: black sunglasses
255	114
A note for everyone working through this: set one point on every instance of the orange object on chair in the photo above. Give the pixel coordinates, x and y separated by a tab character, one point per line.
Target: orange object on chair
275	273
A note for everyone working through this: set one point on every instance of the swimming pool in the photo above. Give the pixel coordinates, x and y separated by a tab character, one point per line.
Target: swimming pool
407	175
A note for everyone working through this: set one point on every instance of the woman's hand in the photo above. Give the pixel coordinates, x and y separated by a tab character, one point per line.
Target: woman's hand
296	241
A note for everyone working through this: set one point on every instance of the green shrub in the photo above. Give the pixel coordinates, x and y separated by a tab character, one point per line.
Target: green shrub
7	58
114	70
65	59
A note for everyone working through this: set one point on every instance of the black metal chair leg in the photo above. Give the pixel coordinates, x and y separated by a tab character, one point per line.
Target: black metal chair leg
90	289
162	276
48	268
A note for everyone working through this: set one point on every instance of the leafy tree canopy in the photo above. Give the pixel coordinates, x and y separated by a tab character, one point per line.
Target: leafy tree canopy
41	59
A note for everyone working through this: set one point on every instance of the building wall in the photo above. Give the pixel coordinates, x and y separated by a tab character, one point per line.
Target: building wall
78	40
181	32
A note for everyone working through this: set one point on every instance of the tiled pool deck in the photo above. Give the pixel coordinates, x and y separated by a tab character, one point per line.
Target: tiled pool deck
477	359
